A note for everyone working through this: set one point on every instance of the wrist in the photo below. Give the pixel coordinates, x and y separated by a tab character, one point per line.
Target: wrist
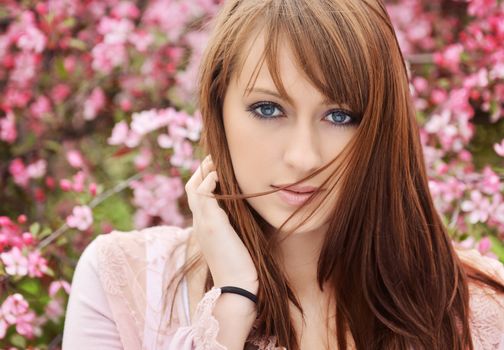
249	286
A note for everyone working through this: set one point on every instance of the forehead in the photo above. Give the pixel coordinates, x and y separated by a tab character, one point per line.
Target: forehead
262	66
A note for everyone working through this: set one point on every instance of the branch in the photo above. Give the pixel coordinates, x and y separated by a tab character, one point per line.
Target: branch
95	202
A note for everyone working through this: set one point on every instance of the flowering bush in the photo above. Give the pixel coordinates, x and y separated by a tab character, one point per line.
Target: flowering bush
98	127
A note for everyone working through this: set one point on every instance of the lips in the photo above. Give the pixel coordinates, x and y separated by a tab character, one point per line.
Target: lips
297	189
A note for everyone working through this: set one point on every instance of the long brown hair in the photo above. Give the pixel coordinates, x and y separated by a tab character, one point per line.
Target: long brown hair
396	279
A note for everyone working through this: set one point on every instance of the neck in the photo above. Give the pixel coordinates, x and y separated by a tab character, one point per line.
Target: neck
299	254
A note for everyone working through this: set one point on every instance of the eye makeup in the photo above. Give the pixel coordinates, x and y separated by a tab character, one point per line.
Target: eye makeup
269	111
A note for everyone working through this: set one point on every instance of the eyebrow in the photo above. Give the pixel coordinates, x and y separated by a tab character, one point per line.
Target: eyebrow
326	101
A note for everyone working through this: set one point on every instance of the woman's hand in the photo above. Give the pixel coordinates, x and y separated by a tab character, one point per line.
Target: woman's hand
227	257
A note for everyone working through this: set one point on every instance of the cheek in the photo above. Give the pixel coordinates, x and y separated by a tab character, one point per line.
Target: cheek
251	153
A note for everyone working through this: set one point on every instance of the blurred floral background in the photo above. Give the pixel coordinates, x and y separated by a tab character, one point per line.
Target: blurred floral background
99	131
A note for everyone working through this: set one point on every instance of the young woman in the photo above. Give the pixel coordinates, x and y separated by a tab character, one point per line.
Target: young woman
312	206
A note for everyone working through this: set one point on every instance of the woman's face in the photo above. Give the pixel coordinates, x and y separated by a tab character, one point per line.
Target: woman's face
273	142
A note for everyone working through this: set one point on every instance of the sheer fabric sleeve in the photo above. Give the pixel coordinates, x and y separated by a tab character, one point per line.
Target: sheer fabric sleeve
120	297
487	306
89	322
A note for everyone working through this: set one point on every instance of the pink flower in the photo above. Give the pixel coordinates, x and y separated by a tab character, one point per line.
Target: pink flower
81	218
491	181
125	9
66	185
165	141
37	265
55	286
18	171
75	158
499	148
478	207
438	96
484	245
182	155
54	310
37	169
94	104
25	324
16	264
60	92
25	69
8	132
78	181
70	62
143	159
108	56
31	39
450	58
480	7
41	107
3	327
115	31
141	40
119	134
156	196
93	189
147	121
14	306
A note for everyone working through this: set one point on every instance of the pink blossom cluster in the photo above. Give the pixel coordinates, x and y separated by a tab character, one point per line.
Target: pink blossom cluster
175	130
463	91
16	263
16	311
98	129
156	198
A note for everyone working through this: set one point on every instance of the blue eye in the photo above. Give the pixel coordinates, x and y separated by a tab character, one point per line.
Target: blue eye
265	110
340	118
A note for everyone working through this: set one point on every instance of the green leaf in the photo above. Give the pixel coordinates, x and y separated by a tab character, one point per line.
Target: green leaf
50	272
497	247
18	341
30	286
45	232
35	228
51	145
69	22
60	68
27	144
77	44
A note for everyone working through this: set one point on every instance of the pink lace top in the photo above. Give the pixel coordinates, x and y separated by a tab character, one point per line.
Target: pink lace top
118	294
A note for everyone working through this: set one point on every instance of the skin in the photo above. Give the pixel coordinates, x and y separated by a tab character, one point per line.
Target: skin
308	134
302	140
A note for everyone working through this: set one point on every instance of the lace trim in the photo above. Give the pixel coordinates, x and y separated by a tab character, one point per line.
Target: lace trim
487	307
487	318
206	327
266	344
112	276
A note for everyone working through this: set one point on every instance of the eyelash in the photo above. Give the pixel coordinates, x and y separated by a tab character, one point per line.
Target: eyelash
252	109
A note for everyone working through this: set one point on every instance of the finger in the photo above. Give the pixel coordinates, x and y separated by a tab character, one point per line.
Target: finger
207	166
199	175
209	184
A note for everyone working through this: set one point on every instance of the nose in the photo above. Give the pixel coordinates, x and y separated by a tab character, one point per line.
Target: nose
302	153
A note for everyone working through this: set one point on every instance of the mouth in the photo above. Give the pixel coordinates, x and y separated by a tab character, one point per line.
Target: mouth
297	189
295	195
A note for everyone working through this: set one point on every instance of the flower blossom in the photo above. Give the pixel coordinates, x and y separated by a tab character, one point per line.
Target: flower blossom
94	104
499	148
8	132
16	264
478	207
81	218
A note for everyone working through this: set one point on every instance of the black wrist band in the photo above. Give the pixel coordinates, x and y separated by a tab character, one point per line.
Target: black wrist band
240	291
